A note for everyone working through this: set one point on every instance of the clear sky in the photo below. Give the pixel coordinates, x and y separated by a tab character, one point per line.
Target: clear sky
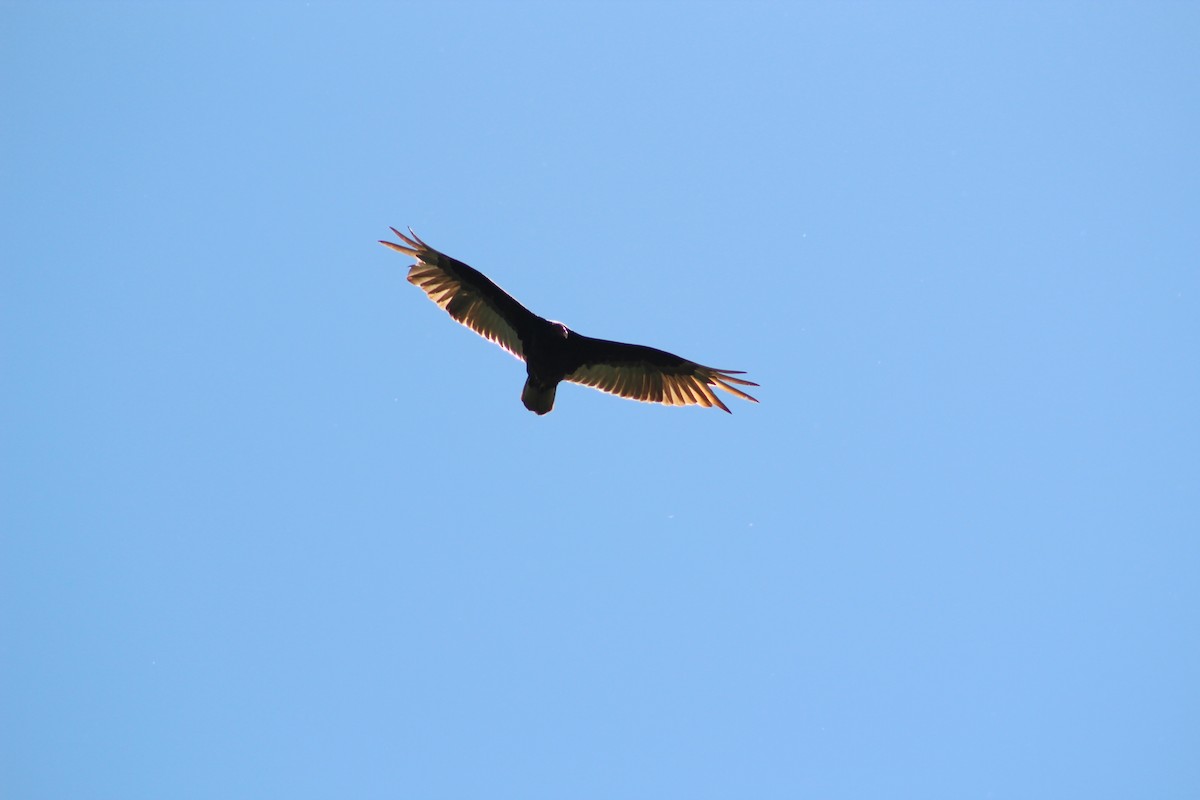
274	526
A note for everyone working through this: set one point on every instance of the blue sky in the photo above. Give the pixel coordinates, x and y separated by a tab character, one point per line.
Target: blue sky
274	526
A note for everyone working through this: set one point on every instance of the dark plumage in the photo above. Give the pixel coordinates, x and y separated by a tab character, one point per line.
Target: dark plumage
552	352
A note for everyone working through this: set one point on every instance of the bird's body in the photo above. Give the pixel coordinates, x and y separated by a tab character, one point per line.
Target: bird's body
552	352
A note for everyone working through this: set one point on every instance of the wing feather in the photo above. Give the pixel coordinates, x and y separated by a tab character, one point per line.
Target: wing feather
653	376
466	294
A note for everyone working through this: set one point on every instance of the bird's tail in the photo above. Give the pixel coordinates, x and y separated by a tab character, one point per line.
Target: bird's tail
538	398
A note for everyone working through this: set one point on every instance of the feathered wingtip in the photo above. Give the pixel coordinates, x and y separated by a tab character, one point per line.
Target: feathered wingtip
413	246
723	378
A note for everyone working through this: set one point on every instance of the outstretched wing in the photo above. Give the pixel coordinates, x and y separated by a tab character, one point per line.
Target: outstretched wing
650	375
466	294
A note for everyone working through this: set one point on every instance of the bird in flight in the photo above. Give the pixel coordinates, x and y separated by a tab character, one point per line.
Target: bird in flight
552	352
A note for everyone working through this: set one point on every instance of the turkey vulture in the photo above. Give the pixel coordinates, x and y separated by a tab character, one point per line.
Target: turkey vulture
552	352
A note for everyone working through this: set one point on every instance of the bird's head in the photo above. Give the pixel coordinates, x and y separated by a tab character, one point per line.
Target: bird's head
560	329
